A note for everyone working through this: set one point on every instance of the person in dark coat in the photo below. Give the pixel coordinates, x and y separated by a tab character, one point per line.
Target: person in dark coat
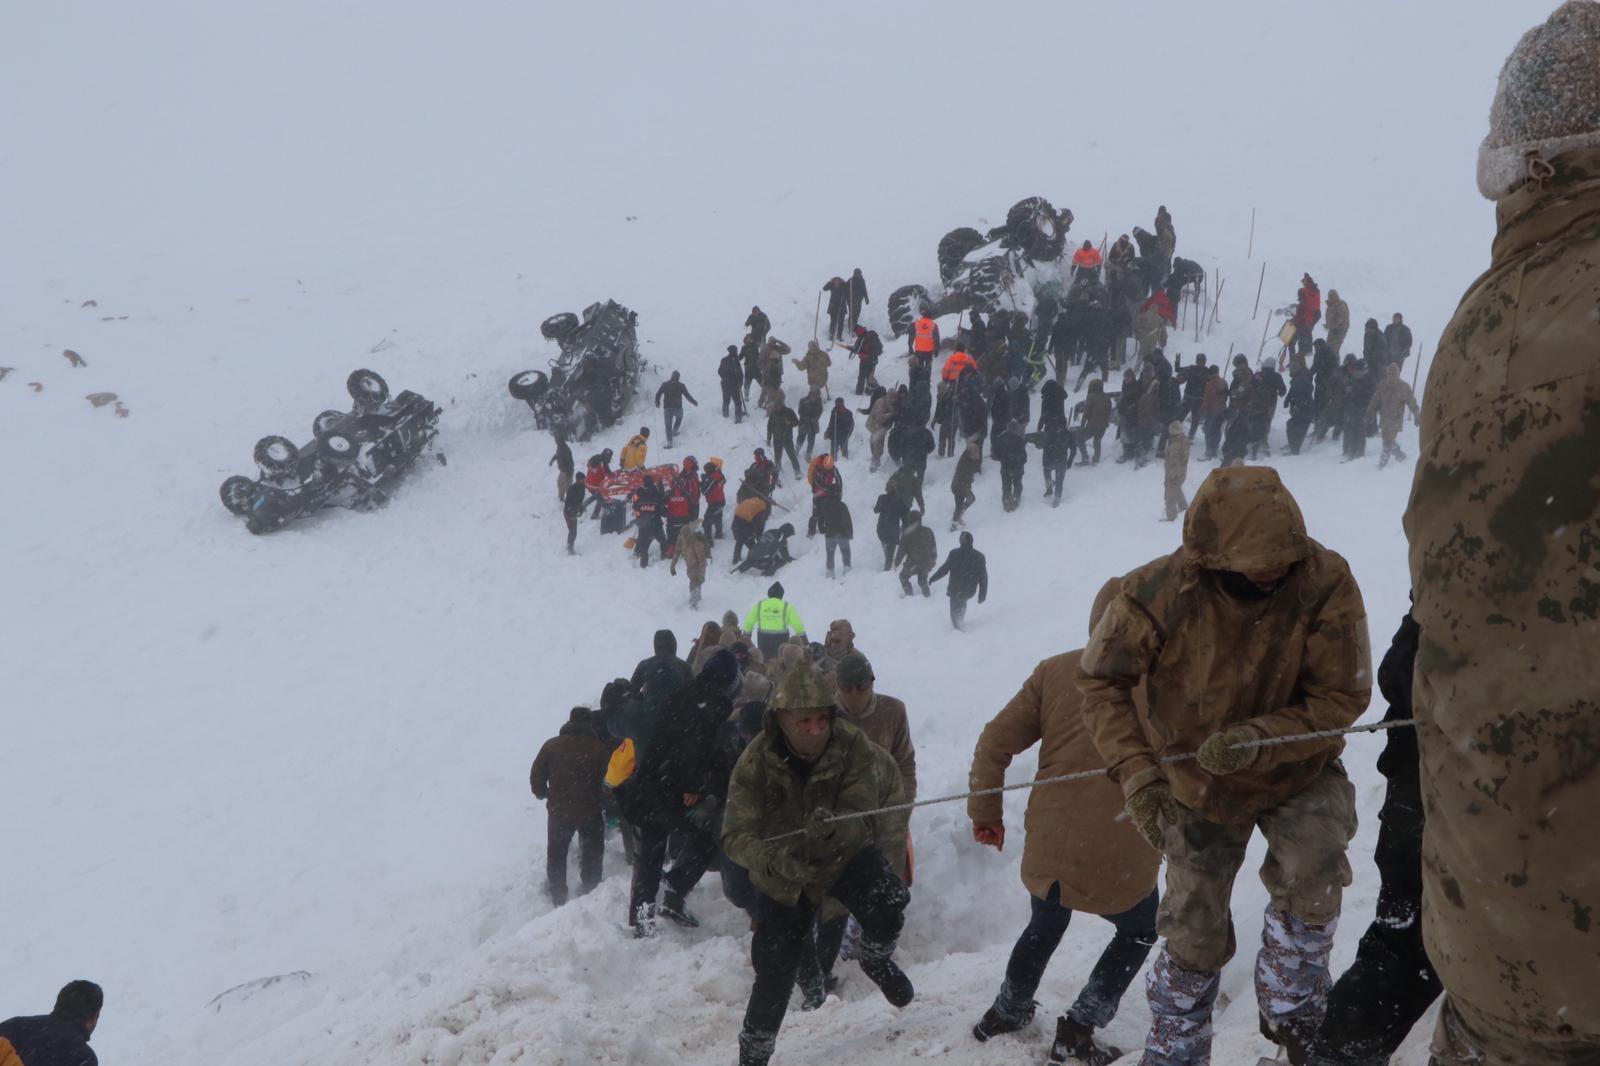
838	291
565	466
915	446
1374	348
1011	451
999	415
1397	341
841	423
1391	984
770	552
758	324
1052	404
572	510
655	680
750	356
972	409
858	295
1360	382
1300	402
1193	379
670	397
1058	445
1268	389
650	508
868	347
569	776
730	372
944	418
781	425
891	510
809	411
674	775
60	1038
833	522
969	576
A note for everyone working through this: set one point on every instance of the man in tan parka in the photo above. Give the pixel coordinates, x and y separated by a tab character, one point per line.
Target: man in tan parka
1176	471
815	363
1250	631
1336	316
693	550
1391	399
1504	531
1079	853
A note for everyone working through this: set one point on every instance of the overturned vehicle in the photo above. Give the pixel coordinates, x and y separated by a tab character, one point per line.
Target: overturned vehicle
592	382
990	271
353	459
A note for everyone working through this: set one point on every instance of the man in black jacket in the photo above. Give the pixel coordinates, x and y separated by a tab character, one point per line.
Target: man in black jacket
867	348
670	397
759	324
650	507
969	576
841	423
838	291
60	1038
572	510
675	775
1373	1006
858	295
730	372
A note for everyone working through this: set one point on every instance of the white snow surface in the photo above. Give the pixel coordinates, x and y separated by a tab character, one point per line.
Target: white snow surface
232	757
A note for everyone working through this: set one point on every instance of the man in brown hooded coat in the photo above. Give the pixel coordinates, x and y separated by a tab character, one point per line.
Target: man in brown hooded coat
1250	631
1504	531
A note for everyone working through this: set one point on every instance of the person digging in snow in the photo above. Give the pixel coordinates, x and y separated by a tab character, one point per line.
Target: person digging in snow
804	768
1080	853
1249	631
917	553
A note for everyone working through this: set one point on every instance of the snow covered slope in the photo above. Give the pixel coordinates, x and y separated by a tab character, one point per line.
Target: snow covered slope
231	757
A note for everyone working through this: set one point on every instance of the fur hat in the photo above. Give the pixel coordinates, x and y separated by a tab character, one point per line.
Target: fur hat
1548	99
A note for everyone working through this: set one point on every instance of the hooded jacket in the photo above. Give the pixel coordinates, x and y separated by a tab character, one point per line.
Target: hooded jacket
1504	531
1293	661
569	774
1392	398
967	569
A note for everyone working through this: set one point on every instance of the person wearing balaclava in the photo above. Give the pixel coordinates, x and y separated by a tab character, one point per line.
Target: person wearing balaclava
1503	524
805	768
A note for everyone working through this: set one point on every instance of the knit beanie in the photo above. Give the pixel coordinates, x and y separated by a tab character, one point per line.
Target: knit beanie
1548	100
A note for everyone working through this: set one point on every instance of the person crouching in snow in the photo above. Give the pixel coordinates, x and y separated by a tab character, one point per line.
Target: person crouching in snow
1080	854
1251	630
808	766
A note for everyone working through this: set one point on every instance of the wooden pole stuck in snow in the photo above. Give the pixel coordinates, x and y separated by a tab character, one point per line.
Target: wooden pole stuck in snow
1259	284
1252	252
1417	367
1213	321
817	321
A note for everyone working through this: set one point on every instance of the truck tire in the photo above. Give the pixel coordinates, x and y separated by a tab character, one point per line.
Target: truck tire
559	327
238	495
521	385
367	388
1035	230
905	304
324	423
276	455
338	447
956	246
985	285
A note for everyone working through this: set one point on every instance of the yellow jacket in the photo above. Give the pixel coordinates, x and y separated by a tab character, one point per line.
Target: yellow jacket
633	452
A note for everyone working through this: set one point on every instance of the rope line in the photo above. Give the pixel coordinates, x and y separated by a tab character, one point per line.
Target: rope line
1085	775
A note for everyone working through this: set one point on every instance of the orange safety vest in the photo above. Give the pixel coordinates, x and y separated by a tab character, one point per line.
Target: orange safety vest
1087	257
956	365
924	330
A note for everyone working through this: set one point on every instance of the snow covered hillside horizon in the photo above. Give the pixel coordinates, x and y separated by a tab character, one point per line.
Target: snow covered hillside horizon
234	757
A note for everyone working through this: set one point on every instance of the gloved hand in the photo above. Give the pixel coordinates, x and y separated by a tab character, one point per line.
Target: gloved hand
817	825
990	836
789	867
1219	756
703	815
1149	807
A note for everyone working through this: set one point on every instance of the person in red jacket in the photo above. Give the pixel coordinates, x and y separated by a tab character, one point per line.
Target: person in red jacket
1161	306
595	474
1307	313
713	489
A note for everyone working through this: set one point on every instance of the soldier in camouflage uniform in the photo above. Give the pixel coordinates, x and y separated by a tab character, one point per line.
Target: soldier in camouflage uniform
1251	630
1391	400
806	767
1504	529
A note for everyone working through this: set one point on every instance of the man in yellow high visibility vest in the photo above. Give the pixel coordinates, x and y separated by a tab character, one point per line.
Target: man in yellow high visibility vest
771	621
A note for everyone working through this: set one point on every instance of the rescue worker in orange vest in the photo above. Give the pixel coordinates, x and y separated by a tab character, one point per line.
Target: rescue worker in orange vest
1086	259
958	363
924	341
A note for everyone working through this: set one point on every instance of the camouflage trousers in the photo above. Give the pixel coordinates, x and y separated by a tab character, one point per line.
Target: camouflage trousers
1177	503
1465	1037
1306	868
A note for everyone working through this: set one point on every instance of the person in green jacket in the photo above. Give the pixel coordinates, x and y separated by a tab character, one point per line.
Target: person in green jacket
805	768
772	620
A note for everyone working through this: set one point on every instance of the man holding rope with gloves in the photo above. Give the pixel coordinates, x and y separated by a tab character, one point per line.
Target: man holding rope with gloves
1249	632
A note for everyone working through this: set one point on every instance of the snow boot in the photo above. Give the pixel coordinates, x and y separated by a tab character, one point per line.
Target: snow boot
1181	1002
755	1048
880	970
672	907
1292	981
645	926
1075	1042
1005	1015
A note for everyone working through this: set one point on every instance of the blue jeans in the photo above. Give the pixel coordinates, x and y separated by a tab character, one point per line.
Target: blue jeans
1097	1003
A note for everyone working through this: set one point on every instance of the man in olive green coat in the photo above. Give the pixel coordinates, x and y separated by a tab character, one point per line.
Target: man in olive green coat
1504	531
792	782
